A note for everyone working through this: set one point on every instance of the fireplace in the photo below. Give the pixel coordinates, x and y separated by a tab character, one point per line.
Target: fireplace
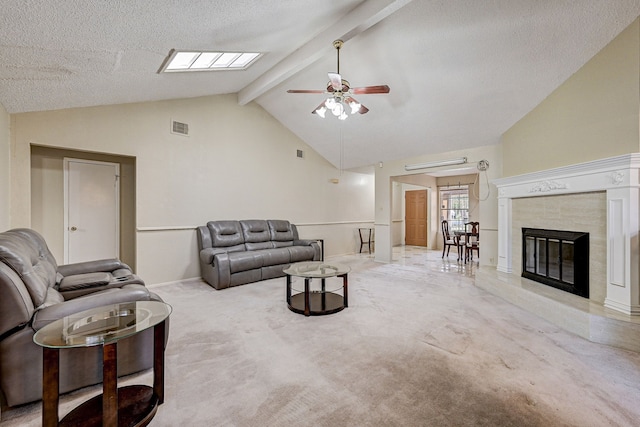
557	258
614	274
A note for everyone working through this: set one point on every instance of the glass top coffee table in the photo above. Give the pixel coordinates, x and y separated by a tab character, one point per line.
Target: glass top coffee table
104	326
319	297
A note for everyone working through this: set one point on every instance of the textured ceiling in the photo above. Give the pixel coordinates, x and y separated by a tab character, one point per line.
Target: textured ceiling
461	72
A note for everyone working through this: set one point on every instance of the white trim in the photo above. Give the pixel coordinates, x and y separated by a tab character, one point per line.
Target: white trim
598	175
167	228
193	227
620	177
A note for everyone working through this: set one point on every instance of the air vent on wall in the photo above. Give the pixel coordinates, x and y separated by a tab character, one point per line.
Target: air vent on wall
179	128
300	154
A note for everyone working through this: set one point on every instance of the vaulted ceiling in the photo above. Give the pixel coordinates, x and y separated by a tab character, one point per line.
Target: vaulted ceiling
461	72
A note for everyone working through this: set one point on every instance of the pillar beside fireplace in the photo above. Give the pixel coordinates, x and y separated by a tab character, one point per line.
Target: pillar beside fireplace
619	177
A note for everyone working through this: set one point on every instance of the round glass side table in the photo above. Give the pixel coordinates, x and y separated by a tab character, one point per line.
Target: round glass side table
104	326
319	298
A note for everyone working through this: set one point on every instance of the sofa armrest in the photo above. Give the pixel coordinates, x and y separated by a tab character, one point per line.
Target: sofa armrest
85	280
127	293
303	242
207	254
317	244
106	265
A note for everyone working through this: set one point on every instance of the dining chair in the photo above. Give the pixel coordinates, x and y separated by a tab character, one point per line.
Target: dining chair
447	238
472	240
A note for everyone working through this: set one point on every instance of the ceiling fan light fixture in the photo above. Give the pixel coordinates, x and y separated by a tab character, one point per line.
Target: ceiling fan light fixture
321	111
338	109
355	106
340	93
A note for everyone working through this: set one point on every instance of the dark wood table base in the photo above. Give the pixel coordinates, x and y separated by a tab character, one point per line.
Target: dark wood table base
126	406
312	303
319	303
137	405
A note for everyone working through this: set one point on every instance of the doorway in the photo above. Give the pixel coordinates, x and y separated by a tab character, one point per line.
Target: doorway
416	207
91	210
47	198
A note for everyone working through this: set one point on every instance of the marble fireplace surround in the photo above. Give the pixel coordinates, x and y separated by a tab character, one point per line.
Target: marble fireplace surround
614	317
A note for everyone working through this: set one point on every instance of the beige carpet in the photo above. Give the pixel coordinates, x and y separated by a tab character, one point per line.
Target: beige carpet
420	345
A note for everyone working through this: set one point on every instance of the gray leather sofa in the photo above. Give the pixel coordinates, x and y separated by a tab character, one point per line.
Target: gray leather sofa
237	252
36	291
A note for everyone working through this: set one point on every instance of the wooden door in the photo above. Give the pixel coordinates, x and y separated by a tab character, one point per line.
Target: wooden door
416	218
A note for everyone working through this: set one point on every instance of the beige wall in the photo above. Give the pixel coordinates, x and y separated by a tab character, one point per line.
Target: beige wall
5	188
595	114
238	162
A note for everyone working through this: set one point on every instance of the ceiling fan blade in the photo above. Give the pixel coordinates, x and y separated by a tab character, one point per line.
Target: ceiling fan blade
336	81
315	111
370	90
305	91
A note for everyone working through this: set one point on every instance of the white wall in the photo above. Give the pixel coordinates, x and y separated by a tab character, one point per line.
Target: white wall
237	163
5	178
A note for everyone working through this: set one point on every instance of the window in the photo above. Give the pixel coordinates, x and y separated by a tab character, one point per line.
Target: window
454	207
207	61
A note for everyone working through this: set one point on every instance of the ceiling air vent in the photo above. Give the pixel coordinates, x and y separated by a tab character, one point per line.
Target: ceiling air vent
179	128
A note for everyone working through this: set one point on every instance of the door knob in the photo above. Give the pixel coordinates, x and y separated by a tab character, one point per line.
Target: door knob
74	228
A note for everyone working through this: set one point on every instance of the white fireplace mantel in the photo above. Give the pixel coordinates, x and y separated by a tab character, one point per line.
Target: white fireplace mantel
620	178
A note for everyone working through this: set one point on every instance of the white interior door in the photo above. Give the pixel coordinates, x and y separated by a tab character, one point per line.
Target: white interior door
92	210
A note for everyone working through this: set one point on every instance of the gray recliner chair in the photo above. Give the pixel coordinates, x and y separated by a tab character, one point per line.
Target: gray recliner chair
35	291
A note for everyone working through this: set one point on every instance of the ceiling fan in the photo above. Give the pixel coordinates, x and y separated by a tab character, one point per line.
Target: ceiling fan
341	93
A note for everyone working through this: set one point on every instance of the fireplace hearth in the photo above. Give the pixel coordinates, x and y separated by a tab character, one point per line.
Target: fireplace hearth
557	258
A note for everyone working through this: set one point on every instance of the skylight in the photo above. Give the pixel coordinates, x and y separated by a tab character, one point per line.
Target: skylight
181	61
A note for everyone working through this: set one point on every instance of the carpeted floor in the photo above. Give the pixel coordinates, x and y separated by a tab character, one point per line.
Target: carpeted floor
419	345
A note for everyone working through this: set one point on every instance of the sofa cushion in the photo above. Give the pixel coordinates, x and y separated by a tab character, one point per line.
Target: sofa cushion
275	256
24	257
256	234
16	306
280	230
39	243
283	244
258	246
226	234
241	261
